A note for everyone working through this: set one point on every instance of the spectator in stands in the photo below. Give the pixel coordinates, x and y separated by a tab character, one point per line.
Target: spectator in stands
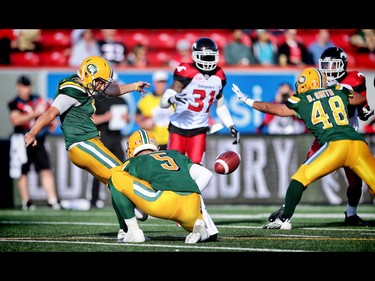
150	116
28	39
282	125
237	52
183	53
369	44
84	44
7	44
111	47
24	109
365	54
293	51
138	57
265	51
357	39
322	42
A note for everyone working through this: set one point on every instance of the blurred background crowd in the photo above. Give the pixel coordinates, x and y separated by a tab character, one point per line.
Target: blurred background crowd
141	48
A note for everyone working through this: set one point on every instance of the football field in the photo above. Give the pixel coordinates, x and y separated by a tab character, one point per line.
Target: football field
315	229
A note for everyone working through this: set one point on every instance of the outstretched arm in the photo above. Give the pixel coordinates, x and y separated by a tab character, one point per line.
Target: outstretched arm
201	175
265	107
116	89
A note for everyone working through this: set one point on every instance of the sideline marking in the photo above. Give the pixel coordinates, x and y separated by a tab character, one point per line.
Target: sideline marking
152	245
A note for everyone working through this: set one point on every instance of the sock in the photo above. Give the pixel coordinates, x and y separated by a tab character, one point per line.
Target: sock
211	227
122	203
350	211
354	195
132	224
292	198
119	216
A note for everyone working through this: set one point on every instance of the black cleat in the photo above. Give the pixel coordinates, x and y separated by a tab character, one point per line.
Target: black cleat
276	214
355	220
28	206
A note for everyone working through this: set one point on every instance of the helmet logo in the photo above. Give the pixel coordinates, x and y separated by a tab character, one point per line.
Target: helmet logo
92	69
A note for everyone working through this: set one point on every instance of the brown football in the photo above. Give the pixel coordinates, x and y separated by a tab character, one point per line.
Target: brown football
227	162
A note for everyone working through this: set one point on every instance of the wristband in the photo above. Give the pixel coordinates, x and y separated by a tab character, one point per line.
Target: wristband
249	102
136	86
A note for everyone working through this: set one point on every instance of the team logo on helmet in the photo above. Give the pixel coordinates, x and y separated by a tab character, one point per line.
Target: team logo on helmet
92	69
301	79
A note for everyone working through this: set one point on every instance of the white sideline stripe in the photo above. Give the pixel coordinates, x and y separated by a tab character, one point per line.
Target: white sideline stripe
213	215
153	245
146	224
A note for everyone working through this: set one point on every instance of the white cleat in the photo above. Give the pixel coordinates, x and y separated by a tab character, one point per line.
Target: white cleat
135	236
279	223
121	235
199	233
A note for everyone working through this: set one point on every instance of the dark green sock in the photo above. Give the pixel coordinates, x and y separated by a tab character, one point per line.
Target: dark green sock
122	203
292	198
120	220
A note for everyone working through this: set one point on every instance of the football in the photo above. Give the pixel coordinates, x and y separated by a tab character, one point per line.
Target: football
227	162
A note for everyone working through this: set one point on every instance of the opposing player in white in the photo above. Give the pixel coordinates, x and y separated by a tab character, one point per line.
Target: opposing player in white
196	86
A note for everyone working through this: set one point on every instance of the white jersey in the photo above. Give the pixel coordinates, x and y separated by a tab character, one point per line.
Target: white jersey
200	93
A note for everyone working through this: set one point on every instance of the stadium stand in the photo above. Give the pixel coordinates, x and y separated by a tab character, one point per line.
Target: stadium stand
161	44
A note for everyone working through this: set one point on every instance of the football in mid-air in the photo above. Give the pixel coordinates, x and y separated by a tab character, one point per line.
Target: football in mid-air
227	162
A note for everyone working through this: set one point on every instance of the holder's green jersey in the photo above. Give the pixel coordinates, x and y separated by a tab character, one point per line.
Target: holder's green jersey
77	123
325	113
163	170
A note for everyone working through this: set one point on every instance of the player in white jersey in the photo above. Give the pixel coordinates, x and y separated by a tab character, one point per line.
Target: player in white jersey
196	86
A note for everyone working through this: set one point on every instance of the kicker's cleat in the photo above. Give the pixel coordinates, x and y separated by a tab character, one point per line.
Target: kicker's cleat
199	233
135	236
279	223
355	220
120	235
276	214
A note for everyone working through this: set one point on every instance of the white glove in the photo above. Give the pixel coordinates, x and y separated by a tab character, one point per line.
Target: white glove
331	82
241	96
365	113
177	98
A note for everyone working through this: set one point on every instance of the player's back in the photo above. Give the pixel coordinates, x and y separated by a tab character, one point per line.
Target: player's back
164	170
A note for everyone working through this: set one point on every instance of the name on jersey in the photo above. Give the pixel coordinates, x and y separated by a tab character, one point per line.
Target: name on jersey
320	95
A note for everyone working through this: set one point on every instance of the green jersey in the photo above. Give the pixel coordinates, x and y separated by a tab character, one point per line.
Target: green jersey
325	113
163	170
77	123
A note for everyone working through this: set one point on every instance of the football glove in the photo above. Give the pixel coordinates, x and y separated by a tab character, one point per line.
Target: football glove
241	96
235	134
331	82
177	98
365	113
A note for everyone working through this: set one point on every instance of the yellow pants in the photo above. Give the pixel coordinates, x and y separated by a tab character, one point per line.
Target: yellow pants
183	208
94	157
355	155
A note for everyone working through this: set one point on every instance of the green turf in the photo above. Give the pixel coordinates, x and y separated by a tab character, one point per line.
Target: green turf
315	229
